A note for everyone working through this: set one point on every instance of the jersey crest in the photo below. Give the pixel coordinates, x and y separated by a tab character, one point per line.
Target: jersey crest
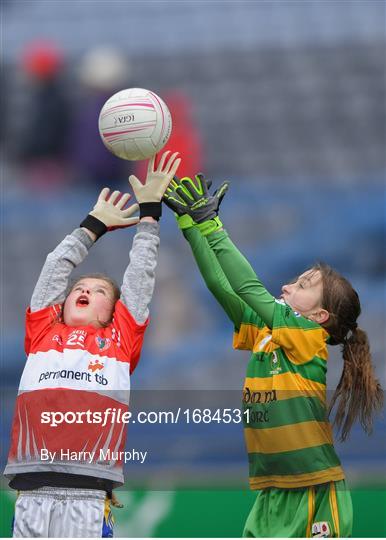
102	343
275	364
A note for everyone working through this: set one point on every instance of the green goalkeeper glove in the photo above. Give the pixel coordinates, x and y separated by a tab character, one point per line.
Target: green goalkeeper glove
191	201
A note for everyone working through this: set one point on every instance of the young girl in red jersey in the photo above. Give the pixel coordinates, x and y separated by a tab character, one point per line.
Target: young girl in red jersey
81	349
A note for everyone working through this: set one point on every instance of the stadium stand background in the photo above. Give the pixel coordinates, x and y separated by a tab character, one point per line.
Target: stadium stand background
289	98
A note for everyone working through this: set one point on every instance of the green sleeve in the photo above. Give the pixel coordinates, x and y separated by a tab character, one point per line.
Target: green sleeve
242	277
214	277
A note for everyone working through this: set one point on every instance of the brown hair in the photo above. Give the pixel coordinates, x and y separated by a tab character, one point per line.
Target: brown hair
358	394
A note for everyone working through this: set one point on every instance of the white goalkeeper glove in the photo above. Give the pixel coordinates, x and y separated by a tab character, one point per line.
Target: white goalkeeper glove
109	213
150	193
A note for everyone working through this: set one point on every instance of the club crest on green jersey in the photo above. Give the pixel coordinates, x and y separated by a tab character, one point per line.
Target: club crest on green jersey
275	364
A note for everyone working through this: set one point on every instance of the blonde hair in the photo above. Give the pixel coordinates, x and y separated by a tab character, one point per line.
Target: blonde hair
114	287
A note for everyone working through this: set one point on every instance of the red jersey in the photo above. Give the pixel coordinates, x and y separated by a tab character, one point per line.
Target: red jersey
74	370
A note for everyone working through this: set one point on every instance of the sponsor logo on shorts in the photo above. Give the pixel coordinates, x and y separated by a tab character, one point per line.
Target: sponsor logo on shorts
321	529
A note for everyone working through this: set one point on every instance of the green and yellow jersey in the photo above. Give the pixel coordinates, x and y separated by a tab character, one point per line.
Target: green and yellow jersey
288	436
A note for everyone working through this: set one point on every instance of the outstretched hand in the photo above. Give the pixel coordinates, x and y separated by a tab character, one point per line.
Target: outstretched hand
157	178
150	193
192	197
110	209
109	213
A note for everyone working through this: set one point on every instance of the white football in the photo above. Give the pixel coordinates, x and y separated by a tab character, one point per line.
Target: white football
135	124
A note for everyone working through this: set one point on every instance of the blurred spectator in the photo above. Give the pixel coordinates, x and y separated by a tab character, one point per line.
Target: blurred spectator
185	137
102	72
40	138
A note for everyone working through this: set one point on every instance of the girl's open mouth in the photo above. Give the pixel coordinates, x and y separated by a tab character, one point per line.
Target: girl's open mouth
82	301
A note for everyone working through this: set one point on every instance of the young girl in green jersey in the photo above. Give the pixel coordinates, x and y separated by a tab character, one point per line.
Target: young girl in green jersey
293	465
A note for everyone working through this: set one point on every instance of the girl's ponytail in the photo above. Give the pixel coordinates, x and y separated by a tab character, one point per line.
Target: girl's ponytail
358	395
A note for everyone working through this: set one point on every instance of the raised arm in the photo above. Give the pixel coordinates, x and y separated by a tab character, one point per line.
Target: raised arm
214	276
179	201
107	214
139	278
241	276
190	199
52	284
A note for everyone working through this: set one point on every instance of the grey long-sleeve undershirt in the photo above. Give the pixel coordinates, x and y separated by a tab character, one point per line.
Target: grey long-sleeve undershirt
138	280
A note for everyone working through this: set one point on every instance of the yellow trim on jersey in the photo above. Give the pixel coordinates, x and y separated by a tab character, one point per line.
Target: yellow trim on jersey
311	510
245	338
298	480
334	508
302	345
288	438
293	385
